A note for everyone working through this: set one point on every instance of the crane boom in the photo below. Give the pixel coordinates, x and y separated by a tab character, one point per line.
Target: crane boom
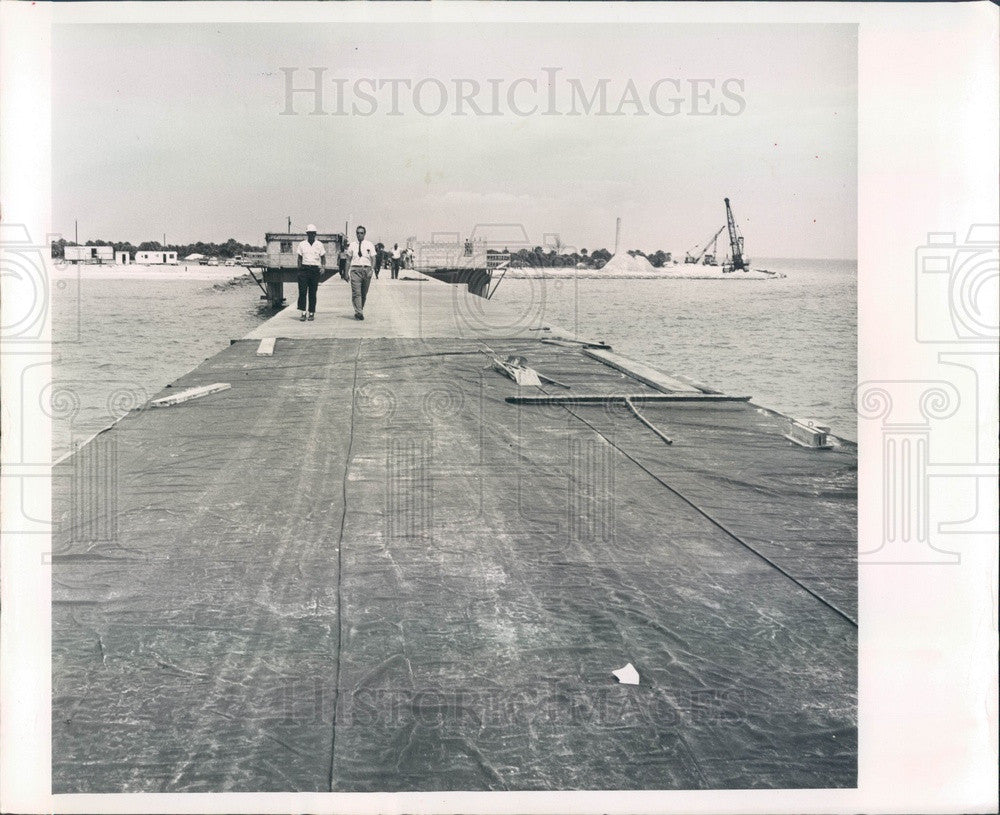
689	258
739	263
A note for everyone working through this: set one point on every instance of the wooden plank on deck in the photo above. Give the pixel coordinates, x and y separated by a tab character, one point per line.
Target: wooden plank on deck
598	399
638	370
190	393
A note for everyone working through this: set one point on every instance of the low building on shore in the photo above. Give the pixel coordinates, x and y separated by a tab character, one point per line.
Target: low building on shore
156	258
89	254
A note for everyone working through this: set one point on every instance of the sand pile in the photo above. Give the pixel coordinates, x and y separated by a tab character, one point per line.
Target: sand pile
624	263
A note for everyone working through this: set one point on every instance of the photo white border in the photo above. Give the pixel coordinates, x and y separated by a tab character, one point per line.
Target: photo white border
928	136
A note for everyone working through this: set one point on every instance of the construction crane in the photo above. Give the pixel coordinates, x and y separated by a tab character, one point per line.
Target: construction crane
710	258
738	262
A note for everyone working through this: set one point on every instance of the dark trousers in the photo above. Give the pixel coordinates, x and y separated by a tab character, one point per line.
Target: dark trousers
395	268
308	285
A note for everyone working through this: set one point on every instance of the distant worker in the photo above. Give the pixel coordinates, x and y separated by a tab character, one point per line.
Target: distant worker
311	257
361	262
397	255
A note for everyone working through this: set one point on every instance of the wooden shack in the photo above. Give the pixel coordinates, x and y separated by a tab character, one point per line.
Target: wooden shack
282	260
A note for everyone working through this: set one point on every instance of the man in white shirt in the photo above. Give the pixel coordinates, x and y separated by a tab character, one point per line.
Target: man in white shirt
361	260
397	253
312	256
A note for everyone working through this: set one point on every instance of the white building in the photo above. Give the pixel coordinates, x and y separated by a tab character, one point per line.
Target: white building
158	257
89	254
122	258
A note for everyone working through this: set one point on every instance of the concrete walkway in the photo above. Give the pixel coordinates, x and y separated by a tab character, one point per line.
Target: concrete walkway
414	306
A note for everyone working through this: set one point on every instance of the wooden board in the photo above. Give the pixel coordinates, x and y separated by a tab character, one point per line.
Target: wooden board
191	393
597	399
266	347
694	383
638	370
570	343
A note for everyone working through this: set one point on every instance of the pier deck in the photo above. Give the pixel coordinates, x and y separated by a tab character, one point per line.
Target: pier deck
361	569
415	305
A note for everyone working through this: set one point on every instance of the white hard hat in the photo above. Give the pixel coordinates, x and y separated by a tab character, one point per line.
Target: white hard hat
311	228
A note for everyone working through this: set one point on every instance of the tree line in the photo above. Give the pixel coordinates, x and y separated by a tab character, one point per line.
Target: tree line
231	248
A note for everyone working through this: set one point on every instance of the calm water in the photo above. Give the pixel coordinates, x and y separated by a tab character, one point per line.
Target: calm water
118	342
791	344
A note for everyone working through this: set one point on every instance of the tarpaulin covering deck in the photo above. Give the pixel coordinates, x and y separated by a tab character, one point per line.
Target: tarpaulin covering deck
361	569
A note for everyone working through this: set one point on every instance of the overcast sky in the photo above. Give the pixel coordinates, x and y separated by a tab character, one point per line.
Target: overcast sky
178	129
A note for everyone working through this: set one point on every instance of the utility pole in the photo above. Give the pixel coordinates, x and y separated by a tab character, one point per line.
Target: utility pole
164	240
289	224
618	233
76	232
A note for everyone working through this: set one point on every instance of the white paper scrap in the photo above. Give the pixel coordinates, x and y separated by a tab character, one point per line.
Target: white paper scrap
627	675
